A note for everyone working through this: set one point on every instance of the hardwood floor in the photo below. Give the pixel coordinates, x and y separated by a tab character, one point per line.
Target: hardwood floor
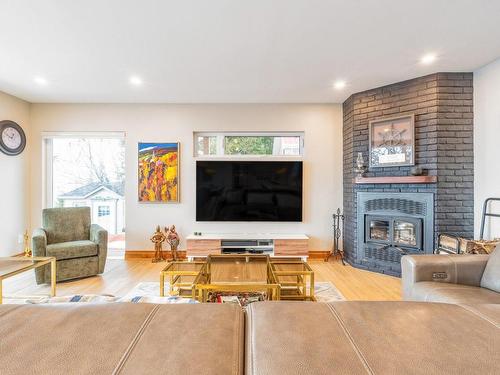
121	276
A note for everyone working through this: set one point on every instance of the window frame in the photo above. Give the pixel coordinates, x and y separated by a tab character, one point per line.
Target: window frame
220	150
47	156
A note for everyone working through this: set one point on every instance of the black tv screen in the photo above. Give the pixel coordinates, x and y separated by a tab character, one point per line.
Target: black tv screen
249	191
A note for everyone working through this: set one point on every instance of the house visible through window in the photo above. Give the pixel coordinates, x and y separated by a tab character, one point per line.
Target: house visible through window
103	211
249	144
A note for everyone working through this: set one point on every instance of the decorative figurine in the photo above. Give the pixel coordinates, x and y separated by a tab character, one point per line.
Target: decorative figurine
158	238
360	165
416	171
173	240
27	250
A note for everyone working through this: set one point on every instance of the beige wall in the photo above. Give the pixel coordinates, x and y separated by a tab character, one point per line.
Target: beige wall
322	125
14	196
487	143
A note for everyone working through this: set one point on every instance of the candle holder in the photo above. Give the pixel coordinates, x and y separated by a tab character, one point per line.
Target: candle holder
360	165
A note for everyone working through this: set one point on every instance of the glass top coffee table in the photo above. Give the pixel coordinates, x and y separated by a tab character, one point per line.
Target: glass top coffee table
236	275
243	276
11	266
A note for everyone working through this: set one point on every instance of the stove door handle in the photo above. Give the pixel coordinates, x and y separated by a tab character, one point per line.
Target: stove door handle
400	250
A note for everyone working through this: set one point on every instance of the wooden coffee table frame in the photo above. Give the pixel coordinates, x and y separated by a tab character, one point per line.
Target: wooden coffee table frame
37	262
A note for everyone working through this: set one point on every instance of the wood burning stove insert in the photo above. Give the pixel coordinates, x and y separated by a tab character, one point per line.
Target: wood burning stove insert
391	225
404	232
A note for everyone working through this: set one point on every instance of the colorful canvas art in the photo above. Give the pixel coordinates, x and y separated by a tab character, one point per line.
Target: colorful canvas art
159	172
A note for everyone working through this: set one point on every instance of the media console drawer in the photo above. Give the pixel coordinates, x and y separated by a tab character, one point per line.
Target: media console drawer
203	247
291	247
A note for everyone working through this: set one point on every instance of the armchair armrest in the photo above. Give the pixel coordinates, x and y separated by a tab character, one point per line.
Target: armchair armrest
100	236
39	243
456	269
39	249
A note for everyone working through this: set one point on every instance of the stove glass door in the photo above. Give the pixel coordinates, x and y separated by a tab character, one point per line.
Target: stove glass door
379	230
405	233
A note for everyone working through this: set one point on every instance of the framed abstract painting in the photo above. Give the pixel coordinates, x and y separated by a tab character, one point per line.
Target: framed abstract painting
158	174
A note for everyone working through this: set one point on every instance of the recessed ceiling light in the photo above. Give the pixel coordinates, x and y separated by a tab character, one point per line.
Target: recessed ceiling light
40	80
135	80
428	59
339	85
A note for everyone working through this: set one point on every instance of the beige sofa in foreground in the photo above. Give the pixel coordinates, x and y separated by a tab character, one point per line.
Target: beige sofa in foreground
270	338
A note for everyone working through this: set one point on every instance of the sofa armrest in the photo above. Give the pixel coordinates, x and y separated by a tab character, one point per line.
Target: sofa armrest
456	269
99	235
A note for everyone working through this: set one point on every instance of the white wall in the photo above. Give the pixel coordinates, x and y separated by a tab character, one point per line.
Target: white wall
14	187
322	125
487	143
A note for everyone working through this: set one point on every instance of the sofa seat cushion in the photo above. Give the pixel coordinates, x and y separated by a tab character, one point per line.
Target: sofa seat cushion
452	293
124	338
371	337
73	249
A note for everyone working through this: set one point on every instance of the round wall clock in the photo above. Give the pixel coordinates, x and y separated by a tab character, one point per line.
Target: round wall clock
12	138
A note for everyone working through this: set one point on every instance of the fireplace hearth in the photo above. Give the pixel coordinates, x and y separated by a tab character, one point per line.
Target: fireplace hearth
391	225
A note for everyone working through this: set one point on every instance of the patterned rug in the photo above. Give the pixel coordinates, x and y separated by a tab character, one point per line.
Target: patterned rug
149	292
324	291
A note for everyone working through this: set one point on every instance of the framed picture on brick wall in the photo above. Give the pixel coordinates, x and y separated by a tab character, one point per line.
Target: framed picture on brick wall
392	142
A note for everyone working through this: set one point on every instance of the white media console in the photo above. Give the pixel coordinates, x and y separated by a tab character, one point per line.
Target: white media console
274	244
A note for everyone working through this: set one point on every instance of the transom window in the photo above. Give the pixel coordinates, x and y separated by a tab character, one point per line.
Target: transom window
249	144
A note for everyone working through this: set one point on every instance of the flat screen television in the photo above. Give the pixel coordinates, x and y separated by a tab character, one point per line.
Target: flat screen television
249	191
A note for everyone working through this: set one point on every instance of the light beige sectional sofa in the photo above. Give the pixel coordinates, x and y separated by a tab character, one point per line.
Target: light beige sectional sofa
269	338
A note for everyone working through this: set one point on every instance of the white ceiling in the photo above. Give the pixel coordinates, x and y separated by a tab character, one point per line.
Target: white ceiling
228	51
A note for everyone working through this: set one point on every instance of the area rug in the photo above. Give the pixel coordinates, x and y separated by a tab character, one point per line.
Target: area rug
75	298
324	291
134	296
149	292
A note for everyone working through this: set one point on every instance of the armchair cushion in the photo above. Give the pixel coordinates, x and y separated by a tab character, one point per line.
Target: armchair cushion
452	293
66	224
72	249
491	274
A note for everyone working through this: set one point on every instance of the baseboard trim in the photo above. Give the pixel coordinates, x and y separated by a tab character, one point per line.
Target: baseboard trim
319	255
148	254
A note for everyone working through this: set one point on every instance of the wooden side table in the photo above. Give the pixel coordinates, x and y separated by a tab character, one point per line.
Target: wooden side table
181	276
295	277
11	266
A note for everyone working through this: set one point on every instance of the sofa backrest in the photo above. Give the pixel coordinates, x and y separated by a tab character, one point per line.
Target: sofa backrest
66	224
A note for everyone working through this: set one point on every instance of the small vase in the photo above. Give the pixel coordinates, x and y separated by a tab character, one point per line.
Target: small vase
360	165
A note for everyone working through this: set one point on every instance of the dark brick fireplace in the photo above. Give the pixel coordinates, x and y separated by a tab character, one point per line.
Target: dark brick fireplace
443	109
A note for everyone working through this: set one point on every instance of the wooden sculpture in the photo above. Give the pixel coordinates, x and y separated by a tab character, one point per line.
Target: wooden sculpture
173	240
158	238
